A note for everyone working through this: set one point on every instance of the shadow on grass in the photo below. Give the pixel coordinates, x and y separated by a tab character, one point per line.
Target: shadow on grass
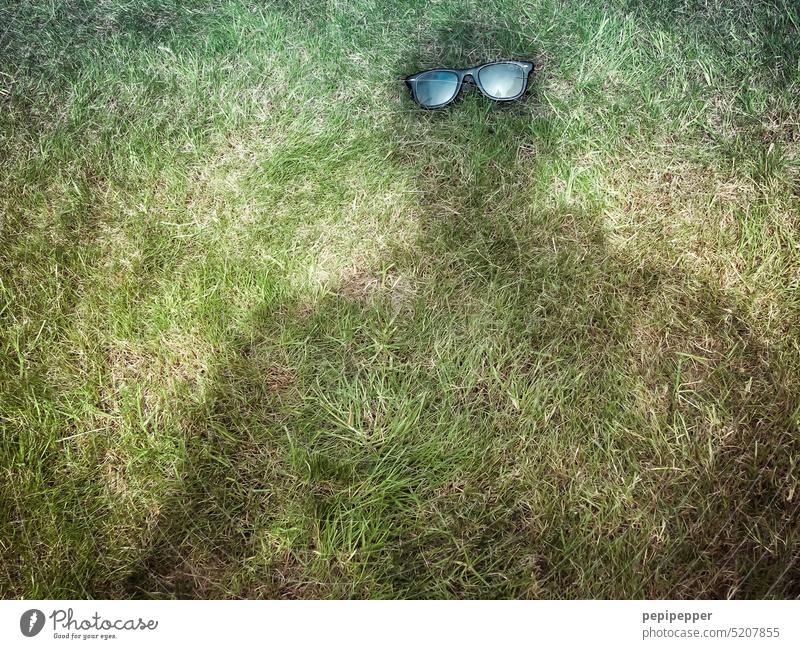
533	413
762	34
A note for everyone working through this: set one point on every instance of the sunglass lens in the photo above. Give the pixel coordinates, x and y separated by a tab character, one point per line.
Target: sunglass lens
436	88
502	80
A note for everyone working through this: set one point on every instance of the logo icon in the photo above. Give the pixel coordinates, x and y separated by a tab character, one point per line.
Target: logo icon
31	622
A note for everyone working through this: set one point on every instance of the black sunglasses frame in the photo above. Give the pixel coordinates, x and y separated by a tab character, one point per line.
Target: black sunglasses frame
474	74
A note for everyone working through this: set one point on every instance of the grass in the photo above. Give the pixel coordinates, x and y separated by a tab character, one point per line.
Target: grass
269	330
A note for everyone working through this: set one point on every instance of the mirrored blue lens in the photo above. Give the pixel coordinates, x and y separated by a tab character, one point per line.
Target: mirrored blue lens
436	88
502	80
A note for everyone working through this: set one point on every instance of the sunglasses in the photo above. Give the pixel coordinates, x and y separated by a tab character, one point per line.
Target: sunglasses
501	81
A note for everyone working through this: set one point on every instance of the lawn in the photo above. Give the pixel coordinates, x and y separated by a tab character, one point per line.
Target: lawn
267	329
